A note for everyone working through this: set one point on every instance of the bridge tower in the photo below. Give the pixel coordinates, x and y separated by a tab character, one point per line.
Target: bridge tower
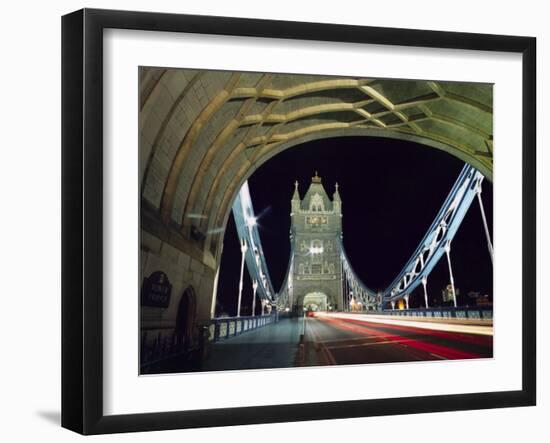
316	231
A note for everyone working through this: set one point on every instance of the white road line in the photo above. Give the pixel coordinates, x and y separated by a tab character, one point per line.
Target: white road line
371	337
358	345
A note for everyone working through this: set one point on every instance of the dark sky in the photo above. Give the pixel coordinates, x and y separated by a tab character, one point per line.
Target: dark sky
391	191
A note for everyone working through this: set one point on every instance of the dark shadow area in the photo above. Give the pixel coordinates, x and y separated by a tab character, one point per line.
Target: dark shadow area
53	417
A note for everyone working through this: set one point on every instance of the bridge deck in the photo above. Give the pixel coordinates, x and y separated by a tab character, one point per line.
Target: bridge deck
343	338
273	346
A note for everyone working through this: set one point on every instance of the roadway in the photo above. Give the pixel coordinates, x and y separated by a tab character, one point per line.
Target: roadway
341	339
352	339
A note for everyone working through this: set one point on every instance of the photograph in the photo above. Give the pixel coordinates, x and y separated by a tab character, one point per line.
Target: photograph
289	220
269	222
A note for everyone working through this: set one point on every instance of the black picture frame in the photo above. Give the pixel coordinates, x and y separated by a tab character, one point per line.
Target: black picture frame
82	217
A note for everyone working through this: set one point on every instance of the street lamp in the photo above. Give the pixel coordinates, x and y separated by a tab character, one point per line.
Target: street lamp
244	248
254	289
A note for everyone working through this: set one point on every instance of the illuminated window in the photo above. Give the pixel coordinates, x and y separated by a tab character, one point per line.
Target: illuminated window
316	204
316	269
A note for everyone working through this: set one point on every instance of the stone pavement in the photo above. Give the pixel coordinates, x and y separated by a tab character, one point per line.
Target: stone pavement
273	346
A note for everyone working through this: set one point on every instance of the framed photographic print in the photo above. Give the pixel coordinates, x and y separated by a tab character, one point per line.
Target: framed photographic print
271	221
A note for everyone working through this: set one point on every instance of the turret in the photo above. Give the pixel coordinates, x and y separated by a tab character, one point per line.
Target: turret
336	201
316	198
295	202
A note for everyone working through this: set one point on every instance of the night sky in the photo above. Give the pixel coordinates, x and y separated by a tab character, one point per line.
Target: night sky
391	191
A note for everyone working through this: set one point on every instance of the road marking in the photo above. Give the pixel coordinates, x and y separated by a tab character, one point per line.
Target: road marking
372	337
328	355
318	345
358	345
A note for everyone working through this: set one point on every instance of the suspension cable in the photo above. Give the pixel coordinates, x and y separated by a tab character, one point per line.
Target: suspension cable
448	251
489	243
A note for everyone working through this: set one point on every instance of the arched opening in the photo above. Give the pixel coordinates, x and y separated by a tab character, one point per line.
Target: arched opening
363	135
185	319
220	217
383	219
315	301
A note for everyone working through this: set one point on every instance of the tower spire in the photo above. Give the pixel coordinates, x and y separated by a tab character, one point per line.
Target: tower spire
316	179
296	195
336	196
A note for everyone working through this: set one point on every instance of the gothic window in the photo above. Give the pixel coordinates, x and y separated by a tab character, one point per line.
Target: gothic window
316	251
316	204
301	268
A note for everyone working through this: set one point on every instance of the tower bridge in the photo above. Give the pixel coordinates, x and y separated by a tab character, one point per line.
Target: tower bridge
316	230
193	174
319	268
321	280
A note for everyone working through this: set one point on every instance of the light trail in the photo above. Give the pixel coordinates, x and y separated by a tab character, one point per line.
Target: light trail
430	325
410	338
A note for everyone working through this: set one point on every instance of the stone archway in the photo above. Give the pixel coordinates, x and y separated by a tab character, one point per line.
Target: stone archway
203	133
186	319
196	152
315	301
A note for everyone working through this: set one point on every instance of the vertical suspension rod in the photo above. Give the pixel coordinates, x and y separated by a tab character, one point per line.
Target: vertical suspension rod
486	227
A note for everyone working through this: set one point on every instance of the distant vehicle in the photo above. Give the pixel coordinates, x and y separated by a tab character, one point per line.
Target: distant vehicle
310	313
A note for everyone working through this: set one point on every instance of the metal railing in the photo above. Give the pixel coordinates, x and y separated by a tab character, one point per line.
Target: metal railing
478	313
222	328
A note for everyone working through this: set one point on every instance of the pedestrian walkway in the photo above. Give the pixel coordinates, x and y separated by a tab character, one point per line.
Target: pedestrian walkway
273	346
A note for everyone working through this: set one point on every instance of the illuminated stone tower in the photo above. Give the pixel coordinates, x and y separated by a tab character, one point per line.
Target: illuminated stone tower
316	230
